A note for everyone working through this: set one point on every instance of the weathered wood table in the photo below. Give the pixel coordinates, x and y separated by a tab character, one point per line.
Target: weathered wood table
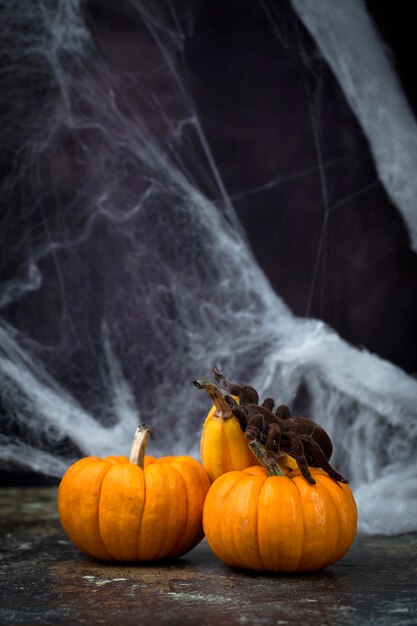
45	580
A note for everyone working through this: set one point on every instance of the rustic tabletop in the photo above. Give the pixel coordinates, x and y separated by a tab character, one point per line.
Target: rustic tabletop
45	580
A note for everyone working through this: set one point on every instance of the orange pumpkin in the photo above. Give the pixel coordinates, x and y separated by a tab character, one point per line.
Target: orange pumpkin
144	509
279	523
223	445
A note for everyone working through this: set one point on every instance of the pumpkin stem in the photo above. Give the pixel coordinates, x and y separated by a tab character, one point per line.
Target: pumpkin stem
222	408
140	440
258	451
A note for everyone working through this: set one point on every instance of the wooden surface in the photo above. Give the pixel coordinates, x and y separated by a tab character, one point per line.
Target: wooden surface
45	580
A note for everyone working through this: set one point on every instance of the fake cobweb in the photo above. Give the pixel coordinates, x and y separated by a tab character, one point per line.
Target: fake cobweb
128	273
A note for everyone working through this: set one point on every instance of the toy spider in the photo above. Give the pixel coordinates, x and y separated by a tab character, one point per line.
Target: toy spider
279	432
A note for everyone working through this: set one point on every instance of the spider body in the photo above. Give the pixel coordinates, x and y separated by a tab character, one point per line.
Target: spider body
279	432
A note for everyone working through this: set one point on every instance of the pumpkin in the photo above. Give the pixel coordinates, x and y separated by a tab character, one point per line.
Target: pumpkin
260	519
142	509
223	446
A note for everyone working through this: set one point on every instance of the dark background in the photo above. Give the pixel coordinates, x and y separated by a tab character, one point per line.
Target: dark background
271	109
272	112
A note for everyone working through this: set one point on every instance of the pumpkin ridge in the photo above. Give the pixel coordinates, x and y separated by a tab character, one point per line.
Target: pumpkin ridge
98	511
226	540
321	480
304	527
216	539
225	447
258	545
343	517
198	478
279	525
141	513
315	473
246	482
157	524
63	490
120	513
184	526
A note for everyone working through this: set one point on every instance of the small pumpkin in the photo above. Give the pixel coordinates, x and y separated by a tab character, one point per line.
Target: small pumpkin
259	519
223	445
142	509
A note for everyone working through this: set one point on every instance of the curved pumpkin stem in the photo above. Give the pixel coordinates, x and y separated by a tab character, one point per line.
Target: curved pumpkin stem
258	451
140	440
222	408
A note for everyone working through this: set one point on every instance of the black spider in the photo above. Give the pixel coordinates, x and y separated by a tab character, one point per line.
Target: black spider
304	440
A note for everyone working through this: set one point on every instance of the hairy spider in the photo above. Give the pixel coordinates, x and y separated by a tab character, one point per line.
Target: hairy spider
304	440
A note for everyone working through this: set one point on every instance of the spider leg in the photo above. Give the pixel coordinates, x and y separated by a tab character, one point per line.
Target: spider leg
240	413
283	412
295	448
317	458
268	403
246	394
273	443
230	401
256	428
